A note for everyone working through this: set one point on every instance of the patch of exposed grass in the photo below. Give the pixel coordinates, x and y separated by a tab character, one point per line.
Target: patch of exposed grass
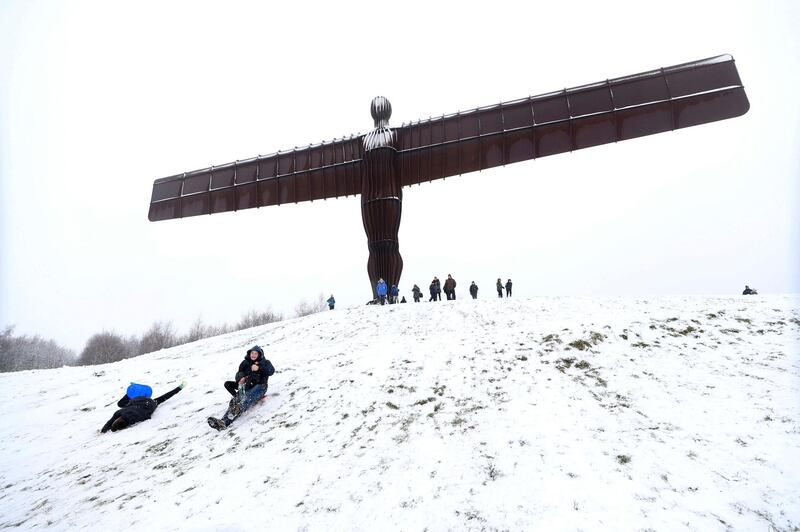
564	363
552	338
580	345
623	459
158	447
392	405
640	344
582	364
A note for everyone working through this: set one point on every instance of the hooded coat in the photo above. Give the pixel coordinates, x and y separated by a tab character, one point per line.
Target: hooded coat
254	377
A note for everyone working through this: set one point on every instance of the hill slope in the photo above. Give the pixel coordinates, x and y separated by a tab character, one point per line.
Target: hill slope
546	413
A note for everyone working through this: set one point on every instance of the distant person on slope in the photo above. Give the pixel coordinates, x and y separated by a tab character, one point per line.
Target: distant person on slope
249	386
136	406
438	285
433	290
473	290
508	288
331	302
499	288
395	293
380	288
450	288
749	291
417	293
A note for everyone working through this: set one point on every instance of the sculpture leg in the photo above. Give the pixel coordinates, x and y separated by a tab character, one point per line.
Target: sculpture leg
381	223
381	207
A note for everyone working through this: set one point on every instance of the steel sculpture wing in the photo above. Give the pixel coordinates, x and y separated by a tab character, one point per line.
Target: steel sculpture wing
571	119
327	170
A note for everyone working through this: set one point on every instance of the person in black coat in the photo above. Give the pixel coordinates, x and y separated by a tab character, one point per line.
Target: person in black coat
136	406
508	288
749	291
249	385
473	290
255	369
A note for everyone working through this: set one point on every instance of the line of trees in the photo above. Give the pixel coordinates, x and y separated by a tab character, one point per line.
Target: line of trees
19	353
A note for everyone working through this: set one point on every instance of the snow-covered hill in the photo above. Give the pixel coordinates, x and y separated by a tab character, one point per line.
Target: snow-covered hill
538	414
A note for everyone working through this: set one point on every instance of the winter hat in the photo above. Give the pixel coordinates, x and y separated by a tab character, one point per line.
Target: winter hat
139	390
257	349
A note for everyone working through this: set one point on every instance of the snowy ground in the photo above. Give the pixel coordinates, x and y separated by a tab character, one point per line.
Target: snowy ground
539	414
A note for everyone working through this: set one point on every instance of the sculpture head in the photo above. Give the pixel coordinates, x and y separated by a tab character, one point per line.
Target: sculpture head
381	111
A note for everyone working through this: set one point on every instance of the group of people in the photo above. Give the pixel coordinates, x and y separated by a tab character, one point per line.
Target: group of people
435	289
385	294
248	387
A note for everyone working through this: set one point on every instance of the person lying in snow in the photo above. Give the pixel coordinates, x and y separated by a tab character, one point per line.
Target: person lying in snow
249	386
136	406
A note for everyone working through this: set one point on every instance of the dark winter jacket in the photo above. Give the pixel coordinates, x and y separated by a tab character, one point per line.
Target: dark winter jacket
395	291
417	292
438	285
473	289
261	375
137	409
449	284
508	286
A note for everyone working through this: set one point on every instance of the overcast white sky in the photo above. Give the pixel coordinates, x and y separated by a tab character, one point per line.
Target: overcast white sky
98	99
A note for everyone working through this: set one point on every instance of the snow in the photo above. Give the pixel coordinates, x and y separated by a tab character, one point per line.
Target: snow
679	413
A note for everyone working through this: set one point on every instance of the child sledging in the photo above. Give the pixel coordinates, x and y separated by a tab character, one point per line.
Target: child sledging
249	386
136	405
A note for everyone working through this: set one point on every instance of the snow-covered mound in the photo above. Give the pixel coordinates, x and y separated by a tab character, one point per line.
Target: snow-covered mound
538	414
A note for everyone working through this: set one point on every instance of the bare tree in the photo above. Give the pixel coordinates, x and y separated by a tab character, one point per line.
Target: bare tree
304	308
253	318
103	348
23	352
160	335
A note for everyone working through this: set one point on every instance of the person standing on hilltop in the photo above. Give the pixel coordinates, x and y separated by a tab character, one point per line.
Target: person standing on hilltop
508	288
136	406
381	289
450	288
473	290
331	302
395	293
499	288
417	293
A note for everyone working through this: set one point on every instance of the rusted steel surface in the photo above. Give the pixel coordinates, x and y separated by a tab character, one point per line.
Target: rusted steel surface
327	170
381	198
610	111
377	165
